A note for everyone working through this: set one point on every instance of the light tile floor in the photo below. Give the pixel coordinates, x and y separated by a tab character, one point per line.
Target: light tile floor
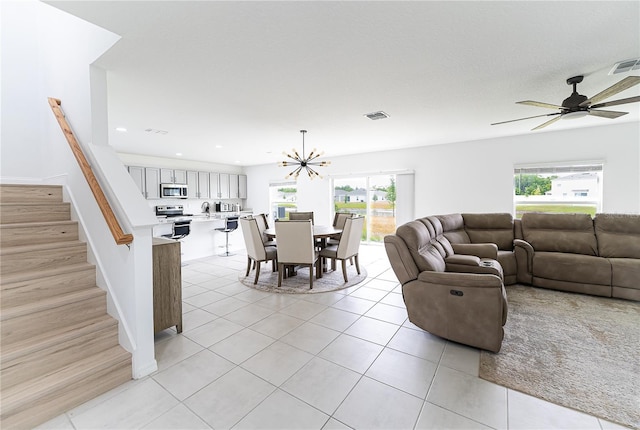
346	359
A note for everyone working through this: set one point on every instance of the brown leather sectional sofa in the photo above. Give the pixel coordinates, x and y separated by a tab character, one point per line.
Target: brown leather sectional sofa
453	267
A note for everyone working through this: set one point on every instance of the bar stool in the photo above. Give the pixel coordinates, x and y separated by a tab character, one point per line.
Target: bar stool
230	226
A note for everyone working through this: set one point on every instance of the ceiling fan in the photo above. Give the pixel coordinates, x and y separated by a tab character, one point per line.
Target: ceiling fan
577	105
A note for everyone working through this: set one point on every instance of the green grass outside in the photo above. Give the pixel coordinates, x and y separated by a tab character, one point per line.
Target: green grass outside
521	209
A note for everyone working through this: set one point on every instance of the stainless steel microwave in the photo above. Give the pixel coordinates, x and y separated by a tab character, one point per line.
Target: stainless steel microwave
173	191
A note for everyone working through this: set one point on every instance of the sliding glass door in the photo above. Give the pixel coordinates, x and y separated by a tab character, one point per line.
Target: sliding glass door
372	196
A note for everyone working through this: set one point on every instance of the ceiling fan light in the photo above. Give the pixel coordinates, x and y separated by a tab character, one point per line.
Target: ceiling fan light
576	114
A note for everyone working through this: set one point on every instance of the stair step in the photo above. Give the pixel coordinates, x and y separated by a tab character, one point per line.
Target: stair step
79	277
30	258
21	322
43	398
15	213
17	193
7	280
40	359
23	234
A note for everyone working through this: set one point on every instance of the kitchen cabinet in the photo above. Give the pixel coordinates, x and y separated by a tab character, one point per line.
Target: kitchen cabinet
147	179
233	186
242	186
198	183
167	285
224	186
192	185
203	185
137	174
214	185
171	176
152	182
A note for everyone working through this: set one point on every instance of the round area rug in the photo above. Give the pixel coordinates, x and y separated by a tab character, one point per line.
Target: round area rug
331	280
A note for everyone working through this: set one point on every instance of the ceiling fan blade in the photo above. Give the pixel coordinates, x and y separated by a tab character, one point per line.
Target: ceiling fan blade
607	113
614	89
529	117
539	104
551	121
617	102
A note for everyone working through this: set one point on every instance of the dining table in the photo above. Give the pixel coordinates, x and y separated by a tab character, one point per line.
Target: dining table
320	234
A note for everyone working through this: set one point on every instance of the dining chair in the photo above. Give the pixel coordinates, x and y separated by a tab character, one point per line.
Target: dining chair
338	222
257	252
348	246
296	247
261	220
297	216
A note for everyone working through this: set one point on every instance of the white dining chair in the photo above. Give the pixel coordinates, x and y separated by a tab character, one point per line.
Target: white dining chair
296	247
338	222
257	252
298	216
261	219
348	246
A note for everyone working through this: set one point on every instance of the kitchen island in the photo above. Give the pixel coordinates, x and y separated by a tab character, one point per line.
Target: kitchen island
204	240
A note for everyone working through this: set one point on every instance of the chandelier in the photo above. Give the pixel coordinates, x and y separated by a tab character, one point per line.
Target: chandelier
303	162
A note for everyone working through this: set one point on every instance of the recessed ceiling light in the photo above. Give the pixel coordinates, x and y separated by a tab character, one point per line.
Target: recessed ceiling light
179	154
218	146
237	161
122	129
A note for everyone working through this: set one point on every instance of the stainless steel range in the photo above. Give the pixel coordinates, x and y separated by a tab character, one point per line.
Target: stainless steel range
181	221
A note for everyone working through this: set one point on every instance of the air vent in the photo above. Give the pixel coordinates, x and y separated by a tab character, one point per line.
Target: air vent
376	115
154	131
625	66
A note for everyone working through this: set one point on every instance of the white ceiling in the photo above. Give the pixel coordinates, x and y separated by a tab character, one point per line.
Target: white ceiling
249	75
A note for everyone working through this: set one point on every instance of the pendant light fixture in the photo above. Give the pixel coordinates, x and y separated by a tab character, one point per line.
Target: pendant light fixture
303	162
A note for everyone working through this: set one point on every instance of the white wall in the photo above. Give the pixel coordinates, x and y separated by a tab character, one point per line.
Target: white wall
477	176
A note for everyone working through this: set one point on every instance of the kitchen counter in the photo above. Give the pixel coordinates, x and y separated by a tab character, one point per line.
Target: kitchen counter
203	239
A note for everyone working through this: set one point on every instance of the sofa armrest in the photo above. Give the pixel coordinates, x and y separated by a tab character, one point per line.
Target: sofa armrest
400	258
456	279
466	260
482	250
524	260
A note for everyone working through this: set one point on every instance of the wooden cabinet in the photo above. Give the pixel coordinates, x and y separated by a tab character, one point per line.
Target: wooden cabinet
167	285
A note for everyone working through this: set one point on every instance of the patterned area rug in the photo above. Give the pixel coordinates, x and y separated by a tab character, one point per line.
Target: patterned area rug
299	284
578	351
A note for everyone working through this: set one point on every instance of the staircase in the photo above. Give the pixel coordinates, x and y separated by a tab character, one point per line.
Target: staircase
59	347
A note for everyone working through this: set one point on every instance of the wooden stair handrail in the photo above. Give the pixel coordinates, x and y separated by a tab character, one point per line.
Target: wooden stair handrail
116	231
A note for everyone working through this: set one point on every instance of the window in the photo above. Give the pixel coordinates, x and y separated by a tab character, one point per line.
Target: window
571	188
371	196
282	199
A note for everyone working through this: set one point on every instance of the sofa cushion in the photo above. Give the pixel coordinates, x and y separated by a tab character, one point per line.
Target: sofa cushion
569	233
453	228
490	228
439	240
419	242
625	272
618	235
582	269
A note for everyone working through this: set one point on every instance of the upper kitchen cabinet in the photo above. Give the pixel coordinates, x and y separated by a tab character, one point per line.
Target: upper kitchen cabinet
233	186
147	179
223	186
171	176
198	183
242	186
214	185
152	182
